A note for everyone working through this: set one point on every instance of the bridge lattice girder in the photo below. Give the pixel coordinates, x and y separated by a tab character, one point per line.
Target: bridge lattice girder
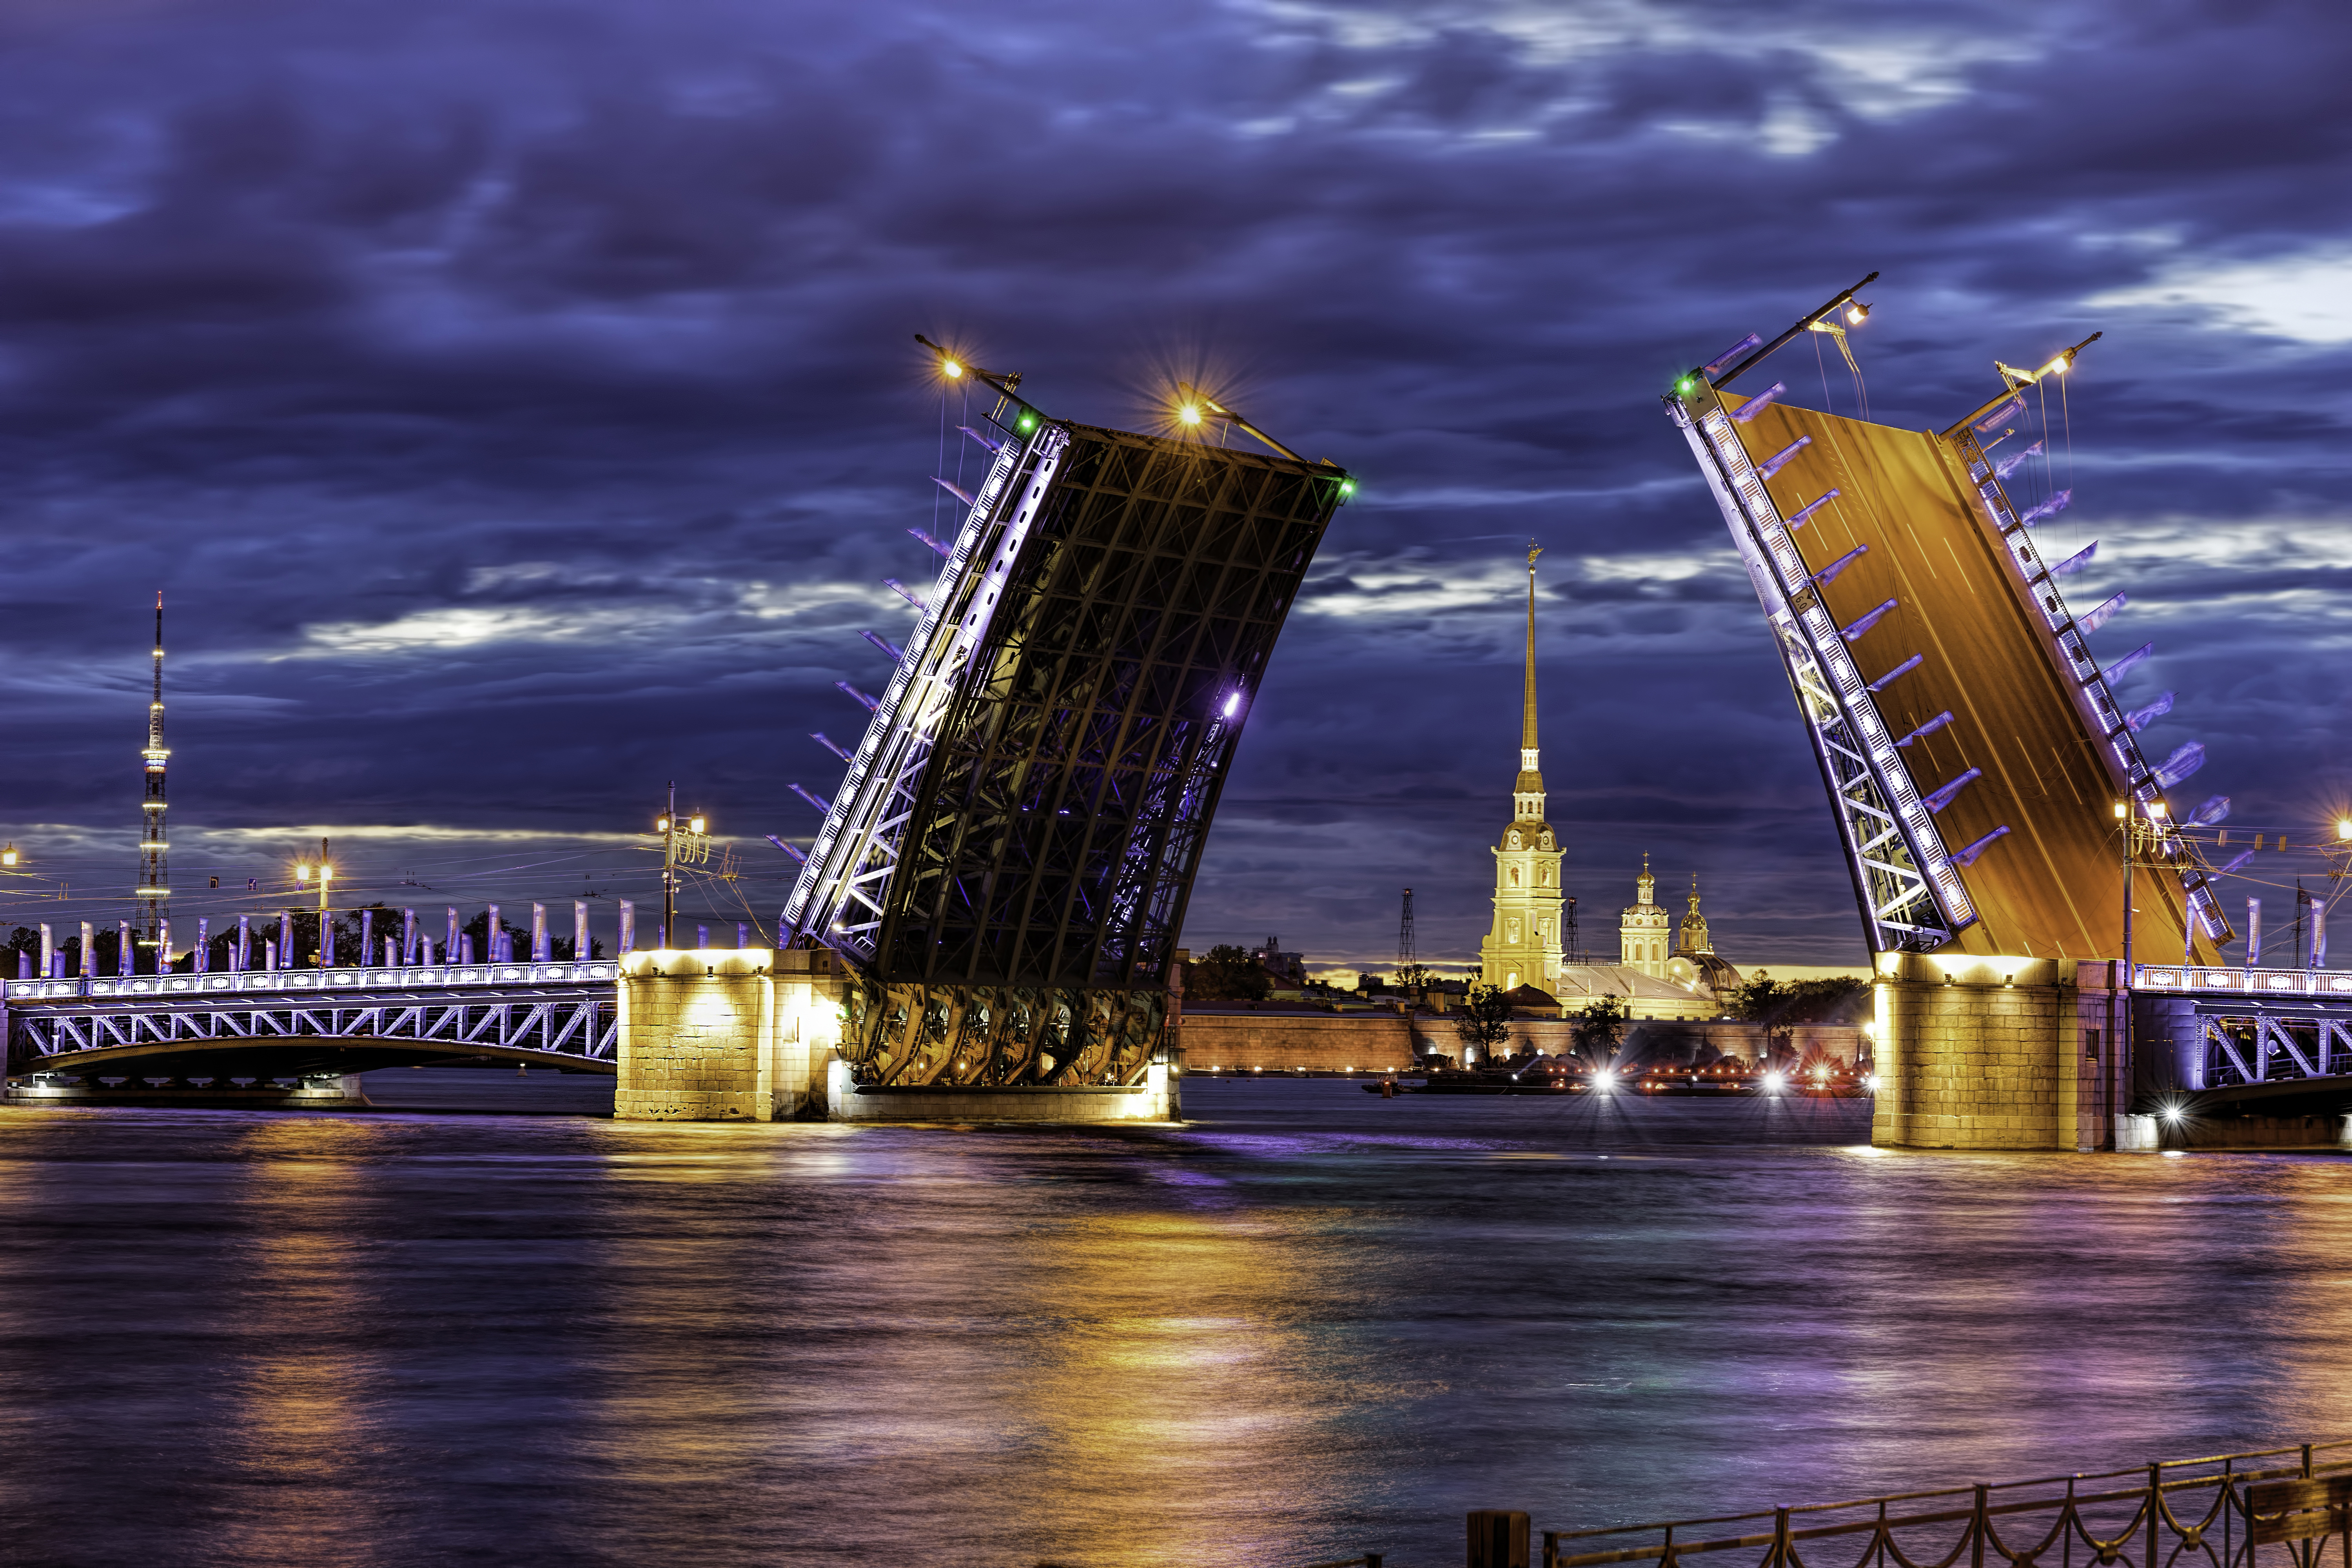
564	1014
1007	863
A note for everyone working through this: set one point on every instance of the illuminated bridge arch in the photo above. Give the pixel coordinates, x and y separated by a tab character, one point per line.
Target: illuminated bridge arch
344	1020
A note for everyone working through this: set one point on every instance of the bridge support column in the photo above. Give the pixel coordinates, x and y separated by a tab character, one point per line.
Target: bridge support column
811	987
1976	1053
697	1035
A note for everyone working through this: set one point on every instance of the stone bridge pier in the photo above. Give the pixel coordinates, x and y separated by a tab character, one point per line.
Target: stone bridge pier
1996	1053
754	1035
2015	1053
726	1035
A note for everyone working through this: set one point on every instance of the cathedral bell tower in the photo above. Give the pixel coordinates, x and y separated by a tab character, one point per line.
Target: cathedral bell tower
1523	947
1641	929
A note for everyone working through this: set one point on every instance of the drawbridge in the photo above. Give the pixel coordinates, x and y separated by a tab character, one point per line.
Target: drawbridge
1975	746
1005	865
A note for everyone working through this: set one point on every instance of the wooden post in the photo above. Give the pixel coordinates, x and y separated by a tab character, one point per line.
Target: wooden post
1498	1537
2154	1507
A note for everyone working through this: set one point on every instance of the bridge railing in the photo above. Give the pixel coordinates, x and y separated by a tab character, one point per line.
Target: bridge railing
2214	1510
2335	983
166	988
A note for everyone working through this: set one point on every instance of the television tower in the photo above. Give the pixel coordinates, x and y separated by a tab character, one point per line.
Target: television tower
1406	957
154	874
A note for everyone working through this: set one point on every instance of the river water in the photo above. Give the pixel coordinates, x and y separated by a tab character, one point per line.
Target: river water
1310	1323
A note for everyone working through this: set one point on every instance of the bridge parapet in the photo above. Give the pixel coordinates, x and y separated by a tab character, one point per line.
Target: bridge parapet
2332	983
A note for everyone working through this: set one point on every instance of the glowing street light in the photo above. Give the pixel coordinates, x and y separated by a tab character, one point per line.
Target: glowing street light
1190	414
8	855
950	369
320	871
2342	830
683	843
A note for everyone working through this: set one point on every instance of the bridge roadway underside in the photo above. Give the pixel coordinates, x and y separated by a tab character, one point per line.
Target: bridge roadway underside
2207	1054
298	1024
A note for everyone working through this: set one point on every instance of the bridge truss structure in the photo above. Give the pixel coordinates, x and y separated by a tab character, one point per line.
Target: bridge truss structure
2245	1035
1974	775
1008	860
291	1022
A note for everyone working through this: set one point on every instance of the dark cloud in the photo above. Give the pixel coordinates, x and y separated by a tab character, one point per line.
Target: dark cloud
518	405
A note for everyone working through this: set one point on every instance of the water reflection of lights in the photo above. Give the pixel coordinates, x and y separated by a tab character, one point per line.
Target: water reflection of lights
300	1405
1175	1351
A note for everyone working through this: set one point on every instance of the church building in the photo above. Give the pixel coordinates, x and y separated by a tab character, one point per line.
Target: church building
1523	945
1641	937
1522	951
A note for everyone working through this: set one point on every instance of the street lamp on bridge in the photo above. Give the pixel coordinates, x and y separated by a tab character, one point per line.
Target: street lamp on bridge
684	843
2144	821
320	873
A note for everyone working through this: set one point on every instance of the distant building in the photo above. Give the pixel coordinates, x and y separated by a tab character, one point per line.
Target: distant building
1696	965
1522	951
1641	936
1523	945
1287	968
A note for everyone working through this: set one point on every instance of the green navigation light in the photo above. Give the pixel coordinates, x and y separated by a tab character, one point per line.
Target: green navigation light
1686	386
1028	420
1347	487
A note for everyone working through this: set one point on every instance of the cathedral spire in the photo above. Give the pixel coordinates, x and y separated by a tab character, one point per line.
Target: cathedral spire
1525	945
1527	705
1530	786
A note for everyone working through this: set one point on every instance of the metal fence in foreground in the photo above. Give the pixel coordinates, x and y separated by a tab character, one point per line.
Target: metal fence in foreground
2213	1511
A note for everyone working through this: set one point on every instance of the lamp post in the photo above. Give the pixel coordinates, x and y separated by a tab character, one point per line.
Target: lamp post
320	872
2138	816
683	843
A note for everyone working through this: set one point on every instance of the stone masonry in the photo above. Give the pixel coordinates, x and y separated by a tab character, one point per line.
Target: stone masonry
698	1034
1976	1053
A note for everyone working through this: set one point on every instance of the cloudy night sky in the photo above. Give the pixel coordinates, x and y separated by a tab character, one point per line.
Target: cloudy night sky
517	404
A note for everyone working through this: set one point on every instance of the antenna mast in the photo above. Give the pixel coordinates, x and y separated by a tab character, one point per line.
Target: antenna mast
154	874
1407	959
